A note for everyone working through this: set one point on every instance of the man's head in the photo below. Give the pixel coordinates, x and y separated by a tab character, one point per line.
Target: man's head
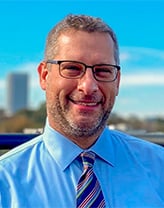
81	77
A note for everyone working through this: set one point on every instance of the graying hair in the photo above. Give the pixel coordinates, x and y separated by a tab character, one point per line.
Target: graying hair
78	22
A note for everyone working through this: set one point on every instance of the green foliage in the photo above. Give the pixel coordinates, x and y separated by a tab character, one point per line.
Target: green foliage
36	119
24	119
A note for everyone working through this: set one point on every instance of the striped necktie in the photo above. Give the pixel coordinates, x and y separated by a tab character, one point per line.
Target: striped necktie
89	193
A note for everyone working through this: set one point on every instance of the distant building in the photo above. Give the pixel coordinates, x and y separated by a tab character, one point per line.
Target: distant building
17	92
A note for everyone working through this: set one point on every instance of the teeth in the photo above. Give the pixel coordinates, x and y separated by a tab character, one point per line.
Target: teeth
88	104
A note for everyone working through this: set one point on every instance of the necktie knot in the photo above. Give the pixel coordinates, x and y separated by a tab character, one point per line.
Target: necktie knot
88	159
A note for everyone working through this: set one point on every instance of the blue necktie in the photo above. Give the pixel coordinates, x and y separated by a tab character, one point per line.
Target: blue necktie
89	193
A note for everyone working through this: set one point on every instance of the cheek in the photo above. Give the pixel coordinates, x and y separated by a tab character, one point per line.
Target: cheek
52	89
54	82
110	93
60	88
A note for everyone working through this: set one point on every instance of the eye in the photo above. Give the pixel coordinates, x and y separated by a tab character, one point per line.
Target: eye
71	69
103	71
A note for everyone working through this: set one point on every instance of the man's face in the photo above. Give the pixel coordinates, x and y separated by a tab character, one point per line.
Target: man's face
79	108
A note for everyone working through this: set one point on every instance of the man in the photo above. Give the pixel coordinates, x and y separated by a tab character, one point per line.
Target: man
80	75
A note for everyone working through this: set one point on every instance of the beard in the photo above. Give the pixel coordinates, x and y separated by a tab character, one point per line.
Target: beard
72	129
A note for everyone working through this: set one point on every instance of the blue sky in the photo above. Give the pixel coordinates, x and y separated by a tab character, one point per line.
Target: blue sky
139	26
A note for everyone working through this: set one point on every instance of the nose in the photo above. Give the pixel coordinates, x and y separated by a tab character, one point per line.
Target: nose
87	83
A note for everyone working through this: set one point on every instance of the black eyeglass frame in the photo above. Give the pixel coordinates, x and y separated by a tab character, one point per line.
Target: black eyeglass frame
59	62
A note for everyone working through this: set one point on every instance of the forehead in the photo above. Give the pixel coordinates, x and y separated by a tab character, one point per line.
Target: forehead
81	44
84	37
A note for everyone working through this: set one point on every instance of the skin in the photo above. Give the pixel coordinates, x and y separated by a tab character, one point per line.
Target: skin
79	108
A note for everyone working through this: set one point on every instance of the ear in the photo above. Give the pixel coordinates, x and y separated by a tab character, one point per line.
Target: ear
43	73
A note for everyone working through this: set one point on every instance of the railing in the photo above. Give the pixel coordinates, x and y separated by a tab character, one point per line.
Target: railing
157	138
11	140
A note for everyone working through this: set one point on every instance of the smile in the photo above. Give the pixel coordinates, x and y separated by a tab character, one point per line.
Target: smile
86	103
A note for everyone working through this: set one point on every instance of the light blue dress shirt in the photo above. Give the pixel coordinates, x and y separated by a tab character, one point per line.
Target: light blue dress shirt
44	172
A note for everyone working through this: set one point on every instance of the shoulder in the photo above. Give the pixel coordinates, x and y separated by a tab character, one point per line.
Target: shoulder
136	146
21	152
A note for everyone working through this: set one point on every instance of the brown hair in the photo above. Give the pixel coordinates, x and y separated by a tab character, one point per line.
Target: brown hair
78	22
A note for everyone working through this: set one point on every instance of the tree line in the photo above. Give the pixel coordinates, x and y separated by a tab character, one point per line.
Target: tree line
36	119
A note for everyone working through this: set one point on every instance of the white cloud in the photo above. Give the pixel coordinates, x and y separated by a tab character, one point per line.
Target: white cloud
2	84
142	66
142	80
131	51
124	56
138	56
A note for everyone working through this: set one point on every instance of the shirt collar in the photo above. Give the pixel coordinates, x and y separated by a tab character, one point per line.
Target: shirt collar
65	151
104	147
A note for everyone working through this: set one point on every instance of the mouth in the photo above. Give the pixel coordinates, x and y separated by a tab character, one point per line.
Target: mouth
86	103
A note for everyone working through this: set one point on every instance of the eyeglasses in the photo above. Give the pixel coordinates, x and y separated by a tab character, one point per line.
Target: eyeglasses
74	70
